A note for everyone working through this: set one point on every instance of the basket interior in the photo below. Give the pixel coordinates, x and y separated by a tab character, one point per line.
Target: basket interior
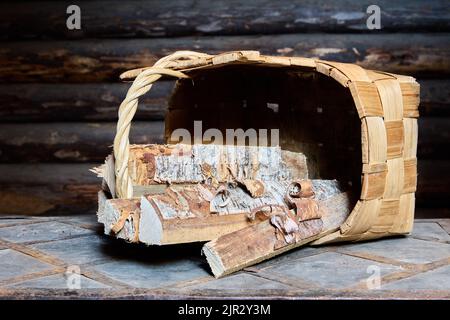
315	115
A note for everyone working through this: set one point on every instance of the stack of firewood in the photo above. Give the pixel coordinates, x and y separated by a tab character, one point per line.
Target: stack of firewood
247	203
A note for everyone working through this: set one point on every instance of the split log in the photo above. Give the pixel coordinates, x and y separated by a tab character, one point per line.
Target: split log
197	212
202	213
261	241
153	167
186	214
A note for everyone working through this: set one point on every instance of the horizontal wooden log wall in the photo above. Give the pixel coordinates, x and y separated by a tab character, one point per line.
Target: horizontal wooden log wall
59	89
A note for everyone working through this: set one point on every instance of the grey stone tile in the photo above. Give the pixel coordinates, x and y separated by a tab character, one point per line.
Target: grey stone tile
42	231
58	281
5	221
77	250
445	223
408	250
238	282
14	264
430	231
437	279
82	219
330	270
289	256
148	274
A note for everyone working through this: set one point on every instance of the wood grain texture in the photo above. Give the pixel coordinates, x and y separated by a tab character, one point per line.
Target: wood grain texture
434	97
156	164
72	188
253	244
97	61
77	102
69	142
89	142
40	102
47	189
46	19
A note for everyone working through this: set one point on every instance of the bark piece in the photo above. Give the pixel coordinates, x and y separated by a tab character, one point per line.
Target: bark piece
255	187
120	218
153	167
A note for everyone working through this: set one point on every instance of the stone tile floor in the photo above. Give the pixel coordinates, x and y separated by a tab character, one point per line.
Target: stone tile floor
41	257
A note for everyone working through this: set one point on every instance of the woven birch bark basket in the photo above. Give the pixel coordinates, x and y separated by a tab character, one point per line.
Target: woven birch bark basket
354	125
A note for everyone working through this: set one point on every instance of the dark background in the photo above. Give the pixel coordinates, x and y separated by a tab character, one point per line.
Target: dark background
59	89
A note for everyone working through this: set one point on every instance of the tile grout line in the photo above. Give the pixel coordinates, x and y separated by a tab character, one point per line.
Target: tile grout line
185	284
75	236
256	269
43	257
420	269
26	222
31	276
88	226
104	279
374	258
443	227
430	239
48	259
279	278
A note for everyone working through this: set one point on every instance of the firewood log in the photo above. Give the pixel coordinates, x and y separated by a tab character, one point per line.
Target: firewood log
153	167
264	240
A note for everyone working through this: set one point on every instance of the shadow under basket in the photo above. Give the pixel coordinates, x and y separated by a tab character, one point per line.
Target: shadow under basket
354	125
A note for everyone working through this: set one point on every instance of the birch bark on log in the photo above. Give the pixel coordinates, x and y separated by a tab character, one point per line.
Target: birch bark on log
153	167
261	241
198	212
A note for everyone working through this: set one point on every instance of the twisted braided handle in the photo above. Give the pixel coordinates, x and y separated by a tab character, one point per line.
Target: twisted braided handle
141	85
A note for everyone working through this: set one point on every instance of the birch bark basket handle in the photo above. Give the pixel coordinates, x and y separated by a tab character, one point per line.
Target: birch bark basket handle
142	83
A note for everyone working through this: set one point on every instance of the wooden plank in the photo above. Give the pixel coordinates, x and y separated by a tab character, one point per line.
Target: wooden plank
433	183
77	102
69	142
47	189
434	139
47	19
434	97
42	102
88	142
97	61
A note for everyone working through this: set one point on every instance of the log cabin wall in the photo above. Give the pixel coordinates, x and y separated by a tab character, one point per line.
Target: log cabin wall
60	89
